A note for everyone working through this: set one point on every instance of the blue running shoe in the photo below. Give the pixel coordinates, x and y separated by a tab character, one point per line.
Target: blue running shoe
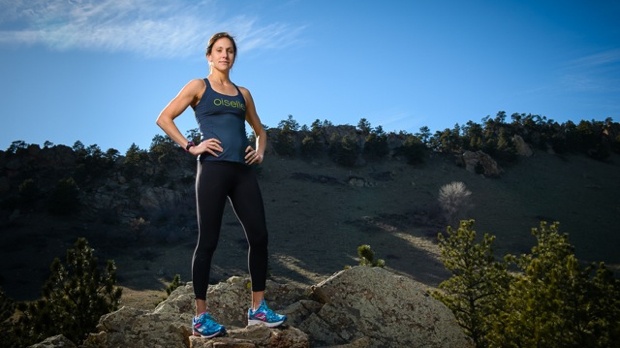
204	325
264	315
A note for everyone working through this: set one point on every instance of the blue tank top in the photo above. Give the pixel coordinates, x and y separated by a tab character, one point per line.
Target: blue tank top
222	117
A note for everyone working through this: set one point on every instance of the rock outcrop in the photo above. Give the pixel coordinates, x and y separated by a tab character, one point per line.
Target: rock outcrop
523	149
380	308
480	163
356	307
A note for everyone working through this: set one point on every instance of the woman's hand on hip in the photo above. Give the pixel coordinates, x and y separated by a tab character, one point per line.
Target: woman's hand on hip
252	156
212	146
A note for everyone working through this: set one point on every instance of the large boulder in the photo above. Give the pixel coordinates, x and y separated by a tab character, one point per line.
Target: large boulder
481	163
356	307
132	328
382	309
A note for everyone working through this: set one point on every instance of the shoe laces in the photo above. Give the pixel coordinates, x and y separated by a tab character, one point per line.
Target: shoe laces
207	321
269	313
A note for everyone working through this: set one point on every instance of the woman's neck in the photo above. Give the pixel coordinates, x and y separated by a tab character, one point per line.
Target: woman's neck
219	78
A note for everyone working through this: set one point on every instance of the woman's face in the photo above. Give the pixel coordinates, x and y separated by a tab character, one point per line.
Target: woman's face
222	56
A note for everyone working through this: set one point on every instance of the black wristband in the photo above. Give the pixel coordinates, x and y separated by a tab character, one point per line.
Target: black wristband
189	144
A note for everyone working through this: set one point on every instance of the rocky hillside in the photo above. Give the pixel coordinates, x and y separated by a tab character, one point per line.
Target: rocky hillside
138	210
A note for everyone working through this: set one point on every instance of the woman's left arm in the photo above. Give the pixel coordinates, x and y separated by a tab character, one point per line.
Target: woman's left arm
254	155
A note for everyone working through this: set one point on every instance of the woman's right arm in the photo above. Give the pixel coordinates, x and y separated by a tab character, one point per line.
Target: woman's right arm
188	95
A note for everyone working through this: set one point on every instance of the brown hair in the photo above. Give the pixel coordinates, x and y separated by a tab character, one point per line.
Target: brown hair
218	36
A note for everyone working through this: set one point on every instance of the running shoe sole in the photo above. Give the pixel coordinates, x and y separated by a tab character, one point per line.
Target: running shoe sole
258	322
219	333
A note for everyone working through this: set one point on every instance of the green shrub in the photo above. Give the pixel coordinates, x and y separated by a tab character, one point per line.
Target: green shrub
367	257
176	282
75	296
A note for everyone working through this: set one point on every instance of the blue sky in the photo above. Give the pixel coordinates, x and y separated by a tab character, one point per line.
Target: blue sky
100	71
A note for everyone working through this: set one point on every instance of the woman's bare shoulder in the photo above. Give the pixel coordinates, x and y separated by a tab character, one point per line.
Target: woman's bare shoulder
244	91
196	83
194	87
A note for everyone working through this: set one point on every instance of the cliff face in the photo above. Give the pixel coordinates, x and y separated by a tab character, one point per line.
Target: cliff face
356	307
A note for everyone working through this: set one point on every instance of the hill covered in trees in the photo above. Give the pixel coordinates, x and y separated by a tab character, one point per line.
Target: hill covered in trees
147	190
328	189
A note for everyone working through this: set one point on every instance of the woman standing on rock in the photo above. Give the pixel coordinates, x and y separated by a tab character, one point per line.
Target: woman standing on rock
224	172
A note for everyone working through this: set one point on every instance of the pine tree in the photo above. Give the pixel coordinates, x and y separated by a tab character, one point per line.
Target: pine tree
555	302
478	284
74	297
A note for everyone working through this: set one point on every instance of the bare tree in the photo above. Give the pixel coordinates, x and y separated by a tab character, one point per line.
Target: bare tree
455	201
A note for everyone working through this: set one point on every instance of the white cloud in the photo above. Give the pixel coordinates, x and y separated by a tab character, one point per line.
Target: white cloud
149	28
604	58
595	72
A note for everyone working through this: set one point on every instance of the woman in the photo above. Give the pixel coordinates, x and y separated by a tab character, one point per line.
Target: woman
224	172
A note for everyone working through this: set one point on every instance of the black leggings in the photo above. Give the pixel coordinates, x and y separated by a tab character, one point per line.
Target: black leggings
216	181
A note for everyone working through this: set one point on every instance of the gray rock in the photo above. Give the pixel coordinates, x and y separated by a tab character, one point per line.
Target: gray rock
58	341
386	309
357	307
479	159
523	149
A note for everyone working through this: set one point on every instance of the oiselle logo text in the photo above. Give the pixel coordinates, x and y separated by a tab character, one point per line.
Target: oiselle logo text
229	103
